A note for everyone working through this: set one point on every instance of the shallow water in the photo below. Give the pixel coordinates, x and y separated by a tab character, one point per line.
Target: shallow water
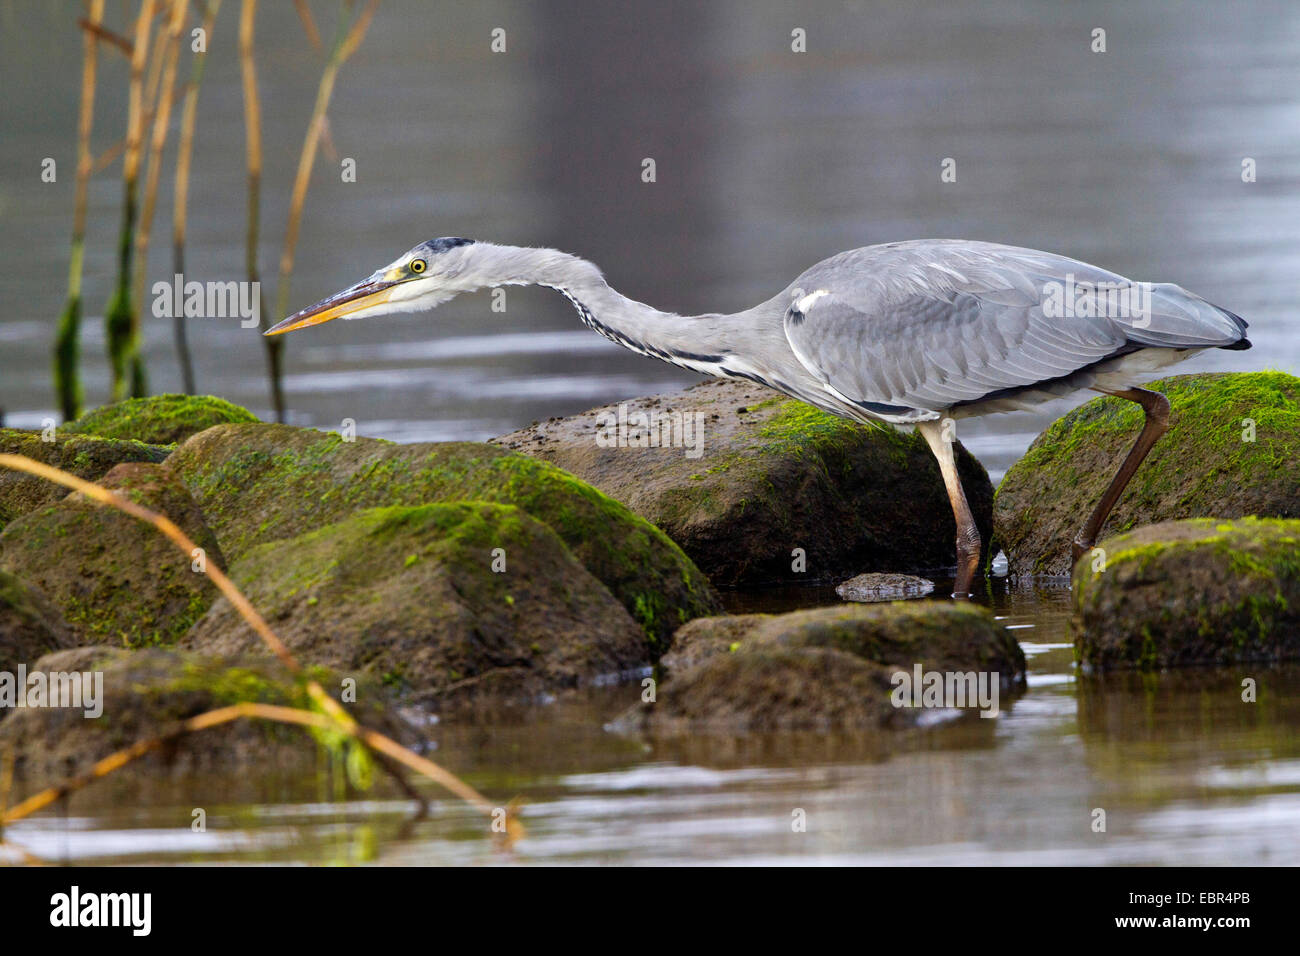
1186	772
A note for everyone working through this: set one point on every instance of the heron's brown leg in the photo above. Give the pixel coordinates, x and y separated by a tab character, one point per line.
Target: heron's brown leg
1156	407
968	535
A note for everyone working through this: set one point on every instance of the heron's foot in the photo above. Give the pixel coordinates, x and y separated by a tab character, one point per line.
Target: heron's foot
968	564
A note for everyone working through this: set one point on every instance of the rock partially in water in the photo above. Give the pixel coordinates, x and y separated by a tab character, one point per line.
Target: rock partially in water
828	669
159	419
1230	451
451	604
1194	592
115	579
774	475
870	588
262	483
30	625
147	692
85	456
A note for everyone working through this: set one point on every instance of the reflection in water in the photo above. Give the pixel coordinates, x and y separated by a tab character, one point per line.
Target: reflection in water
1186	772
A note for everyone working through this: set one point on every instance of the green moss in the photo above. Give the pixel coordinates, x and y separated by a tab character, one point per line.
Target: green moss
271	482
1193	591
159	419
1203	465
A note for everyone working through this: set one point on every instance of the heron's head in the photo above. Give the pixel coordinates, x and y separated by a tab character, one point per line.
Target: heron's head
428	275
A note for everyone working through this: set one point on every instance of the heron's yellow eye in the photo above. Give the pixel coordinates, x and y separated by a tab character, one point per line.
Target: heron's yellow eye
417	266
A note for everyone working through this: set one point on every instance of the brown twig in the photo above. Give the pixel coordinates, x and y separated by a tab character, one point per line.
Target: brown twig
345	45
93	27
338	719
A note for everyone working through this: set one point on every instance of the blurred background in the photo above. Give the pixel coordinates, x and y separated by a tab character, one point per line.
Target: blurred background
767	161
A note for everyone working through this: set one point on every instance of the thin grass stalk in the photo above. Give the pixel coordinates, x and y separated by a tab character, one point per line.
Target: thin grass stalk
118	315
189	114
345	44
253	157
67	342
168	54
340	720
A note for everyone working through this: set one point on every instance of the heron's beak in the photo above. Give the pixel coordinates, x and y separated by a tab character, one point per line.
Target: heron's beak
363	295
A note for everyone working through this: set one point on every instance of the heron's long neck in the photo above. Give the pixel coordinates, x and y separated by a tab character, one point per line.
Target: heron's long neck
701	343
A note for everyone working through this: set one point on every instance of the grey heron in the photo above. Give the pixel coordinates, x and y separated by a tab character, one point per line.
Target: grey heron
915	333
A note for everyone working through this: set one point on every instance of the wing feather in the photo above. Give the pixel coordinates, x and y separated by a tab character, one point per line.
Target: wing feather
934	323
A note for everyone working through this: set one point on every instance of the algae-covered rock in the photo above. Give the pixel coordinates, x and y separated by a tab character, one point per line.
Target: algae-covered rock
145	693
772	475
260	483
30	625
451	603
116	579
85	456
827	669
870	588
1230	451
1202	591
159	419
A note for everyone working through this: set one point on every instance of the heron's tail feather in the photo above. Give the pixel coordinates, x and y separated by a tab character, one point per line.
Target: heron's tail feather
1182	320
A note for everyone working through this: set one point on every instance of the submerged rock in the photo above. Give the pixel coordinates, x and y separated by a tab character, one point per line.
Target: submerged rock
29	624
159	419
827	669
85	456
449	603
869	588
772	475
1203	591
147	692
262	483
1230	451
115	579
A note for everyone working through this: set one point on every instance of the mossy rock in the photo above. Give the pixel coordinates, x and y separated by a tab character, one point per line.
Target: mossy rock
1203	591
827	669
146	693
30	625
1204	464
159	419
410	596
85	456
774	474
262	483
116	579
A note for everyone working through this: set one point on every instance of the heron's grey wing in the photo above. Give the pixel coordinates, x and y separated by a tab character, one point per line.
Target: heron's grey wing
927	325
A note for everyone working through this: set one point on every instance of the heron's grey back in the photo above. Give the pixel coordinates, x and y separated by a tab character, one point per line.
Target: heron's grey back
929	324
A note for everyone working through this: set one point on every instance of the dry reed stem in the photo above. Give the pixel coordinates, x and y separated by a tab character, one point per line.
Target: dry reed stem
67	345
343	49
120	758
337	717
169	54
180	199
